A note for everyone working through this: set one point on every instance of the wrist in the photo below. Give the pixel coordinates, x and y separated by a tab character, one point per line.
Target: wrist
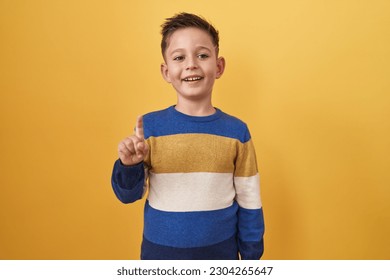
130	165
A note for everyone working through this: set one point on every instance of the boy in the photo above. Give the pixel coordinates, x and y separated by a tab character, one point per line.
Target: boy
198	162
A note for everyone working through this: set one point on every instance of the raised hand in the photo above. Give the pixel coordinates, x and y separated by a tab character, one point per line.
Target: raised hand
133	149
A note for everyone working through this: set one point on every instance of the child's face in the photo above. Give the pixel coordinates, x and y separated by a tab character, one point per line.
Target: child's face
191	63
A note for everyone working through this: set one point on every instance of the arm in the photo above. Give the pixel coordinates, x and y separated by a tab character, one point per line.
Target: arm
250	213
251	231
129	175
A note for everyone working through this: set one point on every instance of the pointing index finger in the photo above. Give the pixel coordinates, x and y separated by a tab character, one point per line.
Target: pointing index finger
139	128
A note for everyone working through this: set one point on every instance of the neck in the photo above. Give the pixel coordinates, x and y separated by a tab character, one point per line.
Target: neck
198	109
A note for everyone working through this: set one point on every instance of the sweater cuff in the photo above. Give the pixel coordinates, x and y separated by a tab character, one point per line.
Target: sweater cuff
128	176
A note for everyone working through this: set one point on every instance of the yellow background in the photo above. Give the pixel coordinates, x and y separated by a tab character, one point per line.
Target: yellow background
310	78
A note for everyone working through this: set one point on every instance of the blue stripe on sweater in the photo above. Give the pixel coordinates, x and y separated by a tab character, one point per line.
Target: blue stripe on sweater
251	224
170	121
189	229
225	250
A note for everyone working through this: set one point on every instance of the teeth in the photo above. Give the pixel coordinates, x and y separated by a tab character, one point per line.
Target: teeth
191	79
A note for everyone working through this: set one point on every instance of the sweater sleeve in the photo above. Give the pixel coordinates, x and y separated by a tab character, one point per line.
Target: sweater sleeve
128	182
250	213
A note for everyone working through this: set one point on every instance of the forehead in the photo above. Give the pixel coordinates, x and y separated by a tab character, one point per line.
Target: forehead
189	36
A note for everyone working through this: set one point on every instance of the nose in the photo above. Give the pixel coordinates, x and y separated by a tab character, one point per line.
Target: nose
191	63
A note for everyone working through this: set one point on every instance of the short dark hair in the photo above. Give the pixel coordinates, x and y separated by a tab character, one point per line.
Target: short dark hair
184	20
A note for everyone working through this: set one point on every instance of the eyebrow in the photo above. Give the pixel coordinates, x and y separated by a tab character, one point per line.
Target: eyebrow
197	49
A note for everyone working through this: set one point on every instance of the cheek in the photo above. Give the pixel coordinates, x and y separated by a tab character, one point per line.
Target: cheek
212	69
174	72
212	74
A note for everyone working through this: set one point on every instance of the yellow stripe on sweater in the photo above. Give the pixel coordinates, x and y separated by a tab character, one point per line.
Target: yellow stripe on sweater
184	153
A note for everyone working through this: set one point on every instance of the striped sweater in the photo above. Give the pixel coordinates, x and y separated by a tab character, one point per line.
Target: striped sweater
203	197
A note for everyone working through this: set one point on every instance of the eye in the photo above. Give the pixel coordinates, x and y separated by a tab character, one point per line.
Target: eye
203	56
178	58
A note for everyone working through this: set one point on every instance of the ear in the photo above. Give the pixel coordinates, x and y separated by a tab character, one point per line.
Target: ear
220	66
165	72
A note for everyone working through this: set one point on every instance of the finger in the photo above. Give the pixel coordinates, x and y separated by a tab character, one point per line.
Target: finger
140	146
135	146
144	146
124	154
127	151
131	143
139	128
122	149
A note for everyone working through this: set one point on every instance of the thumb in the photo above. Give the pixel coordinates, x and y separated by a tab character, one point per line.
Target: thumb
143	147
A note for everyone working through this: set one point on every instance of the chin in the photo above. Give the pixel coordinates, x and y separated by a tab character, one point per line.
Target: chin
193	96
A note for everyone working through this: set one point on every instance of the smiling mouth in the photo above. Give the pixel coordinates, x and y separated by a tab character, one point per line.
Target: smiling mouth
192	79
